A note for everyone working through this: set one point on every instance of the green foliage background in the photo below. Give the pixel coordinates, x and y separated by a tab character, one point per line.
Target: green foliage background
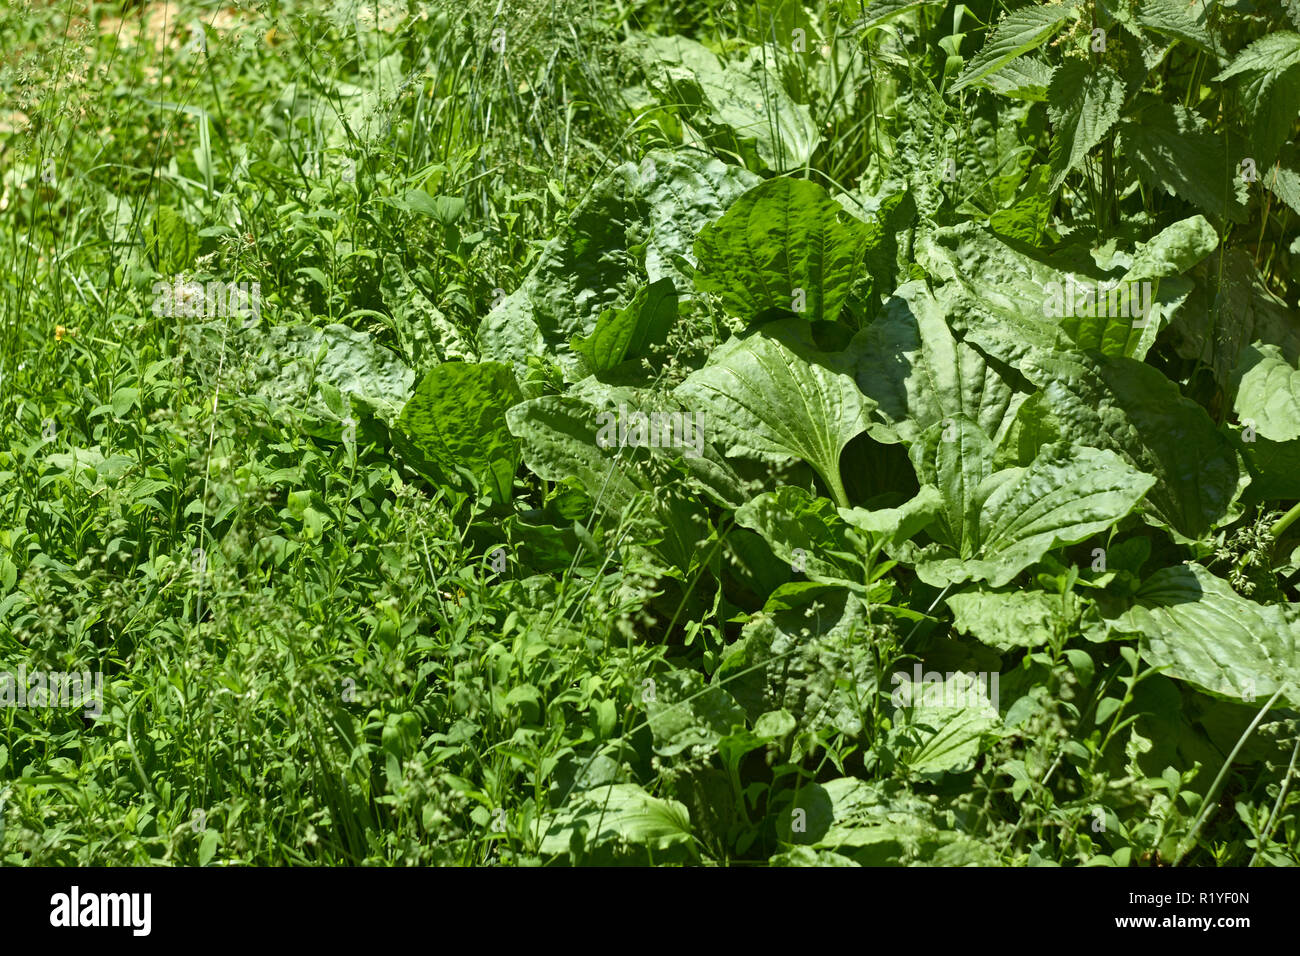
951	578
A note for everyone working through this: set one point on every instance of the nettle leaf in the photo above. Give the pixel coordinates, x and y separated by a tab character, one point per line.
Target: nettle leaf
1016	34
771	394
1171	146
628	332
1015	516
1024	78
1183	19
639	220
784	245
1200	630
881	12
1130	408
1270	87
1083	103
1284	180
1235	307
1010	619
918	374
1268	393
457	420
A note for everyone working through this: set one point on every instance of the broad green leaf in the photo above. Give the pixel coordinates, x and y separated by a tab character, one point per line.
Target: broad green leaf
742	98
620	813
637	221
955	457
1173	250
806	532
785	245
918	374
294	366
894	526
1015	516
771	394
945	720
686	713
813	660
457	419
626	333
1131	408
1275	468
1083	103
1268	394
1200	630
882	824
1033	303
1019	32
1010	619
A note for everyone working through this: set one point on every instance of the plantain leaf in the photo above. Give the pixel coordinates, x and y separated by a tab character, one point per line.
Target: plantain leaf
784	245
771	394
1199	630
456	419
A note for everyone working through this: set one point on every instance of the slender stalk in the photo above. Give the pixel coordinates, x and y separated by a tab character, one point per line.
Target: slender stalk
1211	796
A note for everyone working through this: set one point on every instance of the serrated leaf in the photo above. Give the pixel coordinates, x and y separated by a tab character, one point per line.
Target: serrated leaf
1172	147
1184	19
1019	32
1024	78
1083	103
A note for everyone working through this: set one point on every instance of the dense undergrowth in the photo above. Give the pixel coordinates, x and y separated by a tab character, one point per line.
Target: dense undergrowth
651	432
